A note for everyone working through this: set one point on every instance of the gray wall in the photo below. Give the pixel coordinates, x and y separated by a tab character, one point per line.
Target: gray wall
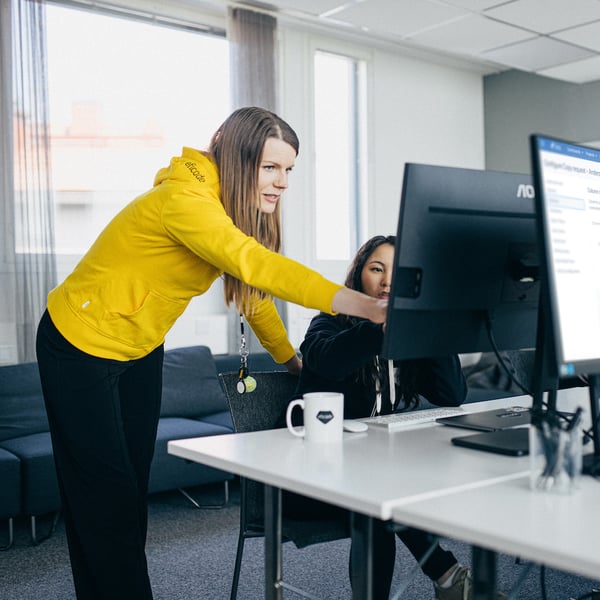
517	104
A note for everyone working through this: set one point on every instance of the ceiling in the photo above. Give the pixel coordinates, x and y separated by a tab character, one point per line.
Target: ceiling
554	38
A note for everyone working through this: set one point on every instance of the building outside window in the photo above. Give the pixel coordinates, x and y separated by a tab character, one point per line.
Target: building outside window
125	96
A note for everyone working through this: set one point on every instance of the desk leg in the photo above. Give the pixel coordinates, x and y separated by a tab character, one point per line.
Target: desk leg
273	590
484	574
362	551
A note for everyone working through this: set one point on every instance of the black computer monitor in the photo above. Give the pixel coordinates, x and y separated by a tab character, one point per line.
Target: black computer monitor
465	268
567	183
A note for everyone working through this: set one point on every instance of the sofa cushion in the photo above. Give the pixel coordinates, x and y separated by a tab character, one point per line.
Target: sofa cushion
178	428
169	472
222	419
22	410
191	386
38	473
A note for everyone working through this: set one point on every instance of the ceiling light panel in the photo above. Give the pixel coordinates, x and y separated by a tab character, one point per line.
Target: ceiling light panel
587	36
311	7
470	35
538	53
545	16
581	71
400	17
475	5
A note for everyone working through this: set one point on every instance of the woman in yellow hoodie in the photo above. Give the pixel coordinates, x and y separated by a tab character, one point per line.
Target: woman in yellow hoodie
100	343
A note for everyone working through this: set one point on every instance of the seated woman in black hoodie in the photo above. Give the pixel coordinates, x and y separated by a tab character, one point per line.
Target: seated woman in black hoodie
341	354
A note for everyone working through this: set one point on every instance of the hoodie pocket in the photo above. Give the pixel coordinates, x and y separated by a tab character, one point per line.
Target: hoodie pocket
146	326
140	320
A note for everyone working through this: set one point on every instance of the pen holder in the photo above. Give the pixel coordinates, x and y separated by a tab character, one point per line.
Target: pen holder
555	457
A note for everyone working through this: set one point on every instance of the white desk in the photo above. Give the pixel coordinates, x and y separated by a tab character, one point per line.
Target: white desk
560	531
399	467
545	528
371	473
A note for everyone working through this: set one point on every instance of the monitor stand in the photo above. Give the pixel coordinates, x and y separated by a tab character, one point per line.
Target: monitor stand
514	441
546	378
591	462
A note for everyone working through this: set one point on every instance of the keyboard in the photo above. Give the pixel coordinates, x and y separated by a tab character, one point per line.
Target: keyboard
406	420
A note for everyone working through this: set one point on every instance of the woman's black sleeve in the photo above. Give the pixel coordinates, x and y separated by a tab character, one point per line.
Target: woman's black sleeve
333	350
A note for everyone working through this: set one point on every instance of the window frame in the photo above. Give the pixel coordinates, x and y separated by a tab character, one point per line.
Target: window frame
355	221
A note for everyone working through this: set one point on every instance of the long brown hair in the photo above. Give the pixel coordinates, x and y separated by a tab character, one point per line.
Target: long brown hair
237	149
376	370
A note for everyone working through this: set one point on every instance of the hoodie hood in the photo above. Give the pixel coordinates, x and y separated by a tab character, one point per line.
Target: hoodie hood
192	167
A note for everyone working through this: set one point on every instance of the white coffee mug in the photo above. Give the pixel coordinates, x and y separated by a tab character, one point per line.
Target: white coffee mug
323	417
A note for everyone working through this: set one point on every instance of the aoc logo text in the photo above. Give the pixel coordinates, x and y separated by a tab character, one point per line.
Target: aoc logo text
525	190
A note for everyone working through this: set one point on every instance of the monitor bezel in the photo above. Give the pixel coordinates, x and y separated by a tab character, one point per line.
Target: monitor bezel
560	366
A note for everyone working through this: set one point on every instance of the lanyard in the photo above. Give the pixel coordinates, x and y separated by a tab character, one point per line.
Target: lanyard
243	350
245	383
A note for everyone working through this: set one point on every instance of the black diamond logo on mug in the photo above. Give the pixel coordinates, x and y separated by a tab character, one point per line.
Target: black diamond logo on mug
324	416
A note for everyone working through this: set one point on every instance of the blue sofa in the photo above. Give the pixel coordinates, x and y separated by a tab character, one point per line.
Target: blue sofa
193	405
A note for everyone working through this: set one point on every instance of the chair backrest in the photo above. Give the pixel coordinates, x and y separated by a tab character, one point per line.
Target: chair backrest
263	408
256	411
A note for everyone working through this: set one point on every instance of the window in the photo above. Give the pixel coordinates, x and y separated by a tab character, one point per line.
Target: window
340	143
125	95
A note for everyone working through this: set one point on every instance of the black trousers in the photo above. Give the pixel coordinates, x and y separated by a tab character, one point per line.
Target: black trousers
103	416
417	541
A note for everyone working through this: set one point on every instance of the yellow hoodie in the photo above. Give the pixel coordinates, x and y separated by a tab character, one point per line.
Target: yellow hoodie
165	247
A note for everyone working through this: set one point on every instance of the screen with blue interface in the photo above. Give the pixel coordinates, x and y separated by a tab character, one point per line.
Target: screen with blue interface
567	178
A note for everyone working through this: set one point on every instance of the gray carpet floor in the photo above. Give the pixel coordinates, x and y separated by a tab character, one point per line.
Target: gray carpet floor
191	554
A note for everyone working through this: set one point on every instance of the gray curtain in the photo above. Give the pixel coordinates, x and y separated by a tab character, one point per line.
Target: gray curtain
252	58
26	208
253	67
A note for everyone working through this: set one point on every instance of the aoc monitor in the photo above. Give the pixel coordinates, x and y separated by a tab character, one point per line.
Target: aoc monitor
466	272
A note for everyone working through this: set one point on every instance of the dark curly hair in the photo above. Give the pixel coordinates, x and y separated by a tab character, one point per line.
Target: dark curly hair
376	371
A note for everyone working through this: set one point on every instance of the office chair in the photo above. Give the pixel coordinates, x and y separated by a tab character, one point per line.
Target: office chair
256	411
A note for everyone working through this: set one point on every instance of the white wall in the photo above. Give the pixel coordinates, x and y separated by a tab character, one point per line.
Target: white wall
418	112
422	113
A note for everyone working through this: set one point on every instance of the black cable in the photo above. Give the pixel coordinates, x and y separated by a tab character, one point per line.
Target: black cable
506	368
492	340
587	435
543	582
